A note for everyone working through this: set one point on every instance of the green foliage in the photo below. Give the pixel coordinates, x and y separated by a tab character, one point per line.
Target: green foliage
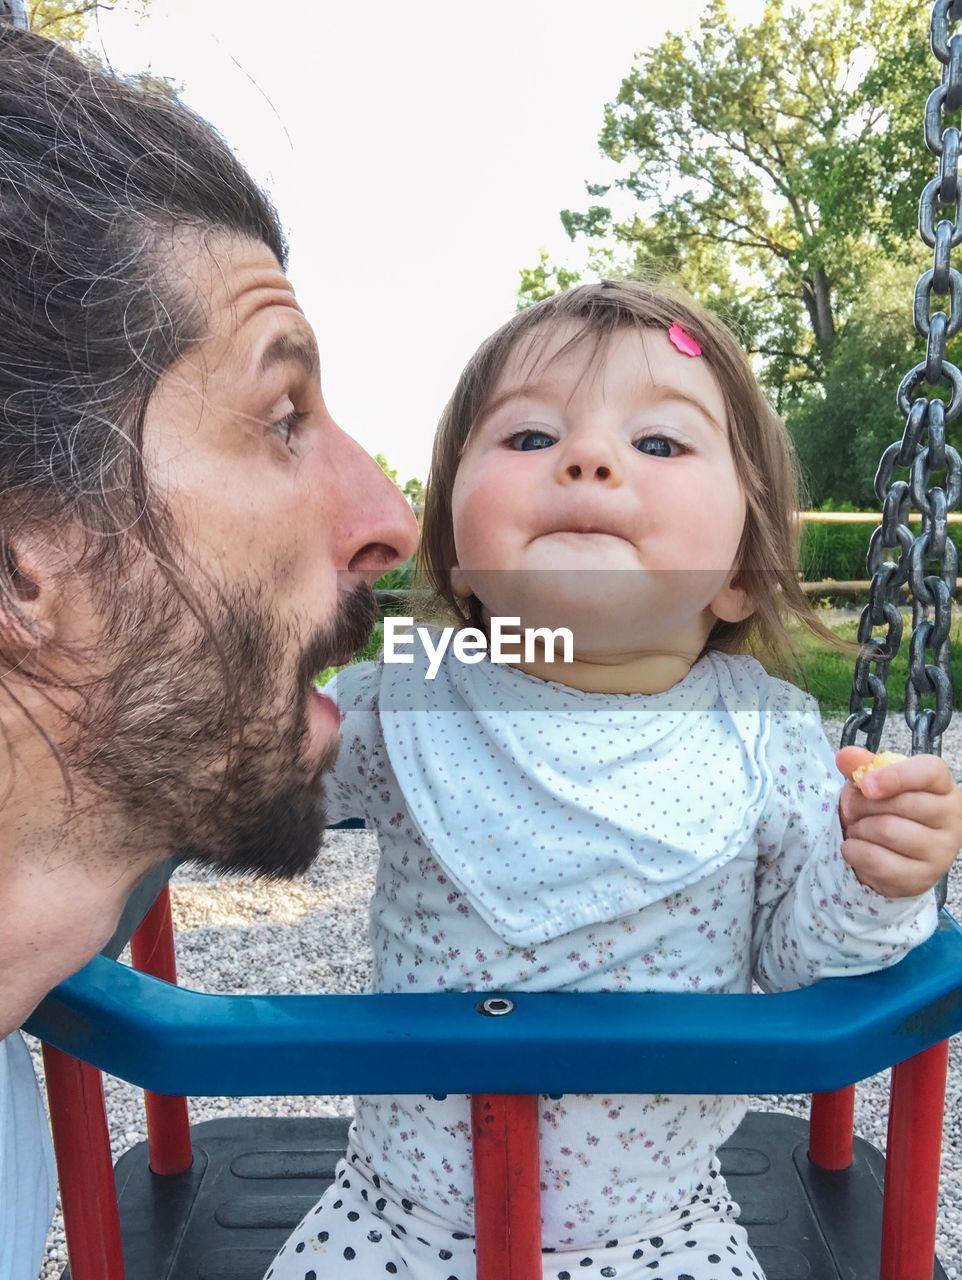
837	552
828	673
842	425
412	489
66	23
834	551
72	23
399	579
770	168
543	281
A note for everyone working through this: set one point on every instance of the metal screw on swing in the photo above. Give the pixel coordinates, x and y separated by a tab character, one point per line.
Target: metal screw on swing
495	1007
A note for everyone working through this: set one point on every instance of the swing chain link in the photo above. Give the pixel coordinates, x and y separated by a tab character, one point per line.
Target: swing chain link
923	452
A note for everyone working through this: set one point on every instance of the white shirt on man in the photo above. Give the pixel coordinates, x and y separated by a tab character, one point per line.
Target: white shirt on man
28	1183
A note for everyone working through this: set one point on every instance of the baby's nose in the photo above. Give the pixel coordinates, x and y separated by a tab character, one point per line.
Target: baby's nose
600	472
588	456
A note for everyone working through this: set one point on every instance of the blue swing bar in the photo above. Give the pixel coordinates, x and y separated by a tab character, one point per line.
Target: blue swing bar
821	1039
174	1041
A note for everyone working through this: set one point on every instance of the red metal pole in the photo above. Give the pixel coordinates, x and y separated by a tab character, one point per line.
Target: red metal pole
78	1120
168	1124
831	1126
912	1165
507	1186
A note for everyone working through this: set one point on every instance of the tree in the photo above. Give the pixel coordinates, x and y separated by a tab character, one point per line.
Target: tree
60	20
412	489
66	21
543	281
768	167
842	425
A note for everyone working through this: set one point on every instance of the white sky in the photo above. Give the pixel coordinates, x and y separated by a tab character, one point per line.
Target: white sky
419	154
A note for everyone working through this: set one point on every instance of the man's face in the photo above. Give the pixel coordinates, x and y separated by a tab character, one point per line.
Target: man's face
279	524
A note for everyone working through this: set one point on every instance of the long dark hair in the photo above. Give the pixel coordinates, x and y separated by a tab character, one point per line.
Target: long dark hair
100	181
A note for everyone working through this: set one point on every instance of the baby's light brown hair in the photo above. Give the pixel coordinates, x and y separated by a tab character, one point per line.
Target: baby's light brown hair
763	454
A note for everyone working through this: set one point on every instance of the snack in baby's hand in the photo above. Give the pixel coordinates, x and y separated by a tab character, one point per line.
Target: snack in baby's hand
877	762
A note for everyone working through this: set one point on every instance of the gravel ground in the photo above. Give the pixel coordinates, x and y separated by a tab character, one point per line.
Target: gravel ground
235	936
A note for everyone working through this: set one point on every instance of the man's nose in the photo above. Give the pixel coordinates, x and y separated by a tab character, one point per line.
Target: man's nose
378	528
589	457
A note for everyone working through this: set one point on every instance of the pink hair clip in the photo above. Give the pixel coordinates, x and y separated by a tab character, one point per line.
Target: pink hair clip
683	341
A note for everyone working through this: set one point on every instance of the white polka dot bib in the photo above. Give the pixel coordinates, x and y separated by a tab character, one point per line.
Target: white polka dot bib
544	836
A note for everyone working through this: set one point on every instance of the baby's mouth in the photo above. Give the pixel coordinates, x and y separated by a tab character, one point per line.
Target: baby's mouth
582	531
602	524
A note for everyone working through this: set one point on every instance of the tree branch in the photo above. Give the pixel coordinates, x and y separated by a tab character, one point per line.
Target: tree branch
780	250
67	14
803	221
808	360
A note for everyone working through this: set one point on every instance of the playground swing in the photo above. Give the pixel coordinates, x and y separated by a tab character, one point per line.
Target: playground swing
216	1202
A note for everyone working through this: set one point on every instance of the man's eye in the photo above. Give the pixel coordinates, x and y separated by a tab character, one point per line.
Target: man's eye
285	427
658	446
525	441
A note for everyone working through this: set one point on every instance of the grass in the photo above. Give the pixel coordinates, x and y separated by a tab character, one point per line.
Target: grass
828	673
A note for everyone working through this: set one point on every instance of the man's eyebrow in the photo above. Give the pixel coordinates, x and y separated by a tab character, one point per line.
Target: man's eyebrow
288	347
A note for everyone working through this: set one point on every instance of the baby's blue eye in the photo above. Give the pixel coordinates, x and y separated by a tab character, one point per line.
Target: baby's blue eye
661	446
527	440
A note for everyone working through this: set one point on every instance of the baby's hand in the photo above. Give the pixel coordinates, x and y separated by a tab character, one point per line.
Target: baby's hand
903	823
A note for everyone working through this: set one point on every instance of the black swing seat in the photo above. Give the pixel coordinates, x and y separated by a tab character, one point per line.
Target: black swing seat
253	1179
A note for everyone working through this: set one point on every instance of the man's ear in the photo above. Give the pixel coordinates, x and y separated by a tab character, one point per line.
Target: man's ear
31	575
732	603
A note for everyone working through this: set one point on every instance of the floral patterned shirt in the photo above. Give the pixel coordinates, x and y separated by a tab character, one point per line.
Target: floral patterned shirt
514	855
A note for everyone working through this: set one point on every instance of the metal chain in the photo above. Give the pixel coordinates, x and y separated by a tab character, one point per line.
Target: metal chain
922	451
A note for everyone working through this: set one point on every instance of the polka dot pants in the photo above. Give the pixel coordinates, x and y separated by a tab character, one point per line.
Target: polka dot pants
363	1228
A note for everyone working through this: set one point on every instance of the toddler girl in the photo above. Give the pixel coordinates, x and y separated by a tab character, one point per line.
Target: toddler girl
658	814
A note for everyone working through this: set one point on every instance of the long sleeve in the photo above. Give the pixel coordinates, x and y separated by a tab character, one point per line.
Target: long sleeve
348	785
813	918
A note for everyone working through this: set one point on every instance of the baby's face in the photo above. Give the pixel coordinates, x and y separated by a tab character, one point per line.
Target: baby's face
603	496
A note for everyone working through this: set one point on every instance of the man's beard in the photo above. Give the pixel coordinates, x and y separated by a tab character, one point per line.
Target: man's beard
198	734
